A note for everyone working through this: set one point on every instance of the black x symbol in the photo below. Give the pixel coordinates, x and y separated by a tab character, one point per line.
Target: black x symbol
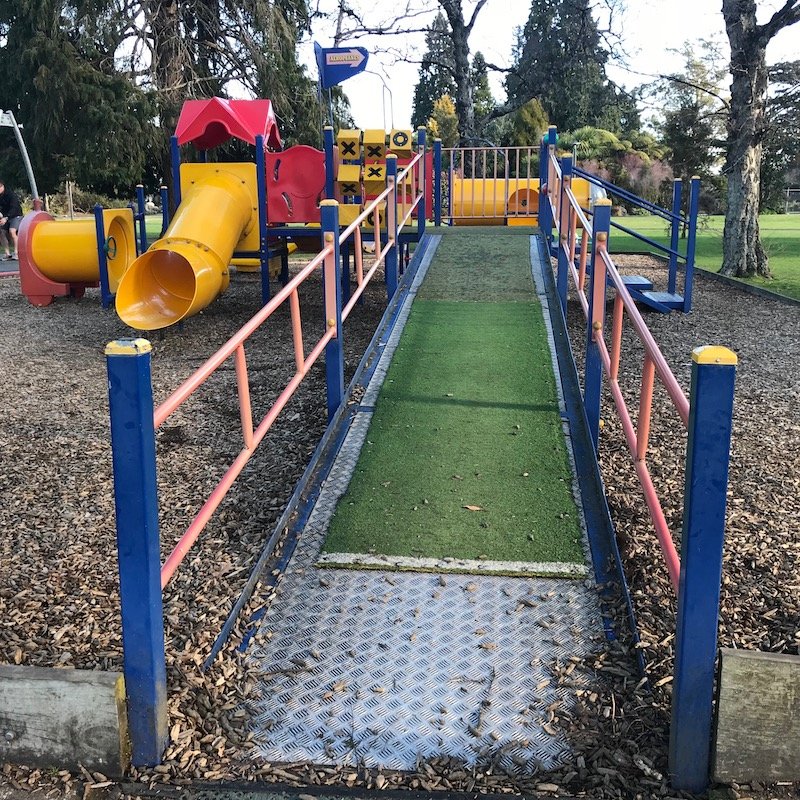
348	148
349	188
374	151
374	172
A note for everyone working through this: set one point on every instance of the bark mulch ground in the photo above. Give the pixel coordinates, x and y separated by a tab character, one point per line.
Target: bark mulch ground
58	584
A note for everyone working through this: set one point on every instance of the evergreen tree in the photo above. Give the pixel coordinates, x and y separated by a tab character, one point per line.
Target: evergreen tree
436	71
781	160
83	119
559	58
482	99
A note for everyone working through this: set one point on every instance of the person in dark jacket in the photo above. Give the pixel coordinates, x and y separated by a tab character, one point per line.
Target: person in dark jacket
10	216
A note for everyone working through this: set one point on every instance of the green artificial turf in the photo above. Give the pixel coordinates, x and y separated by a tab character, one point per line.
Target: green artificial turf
780	235
467	416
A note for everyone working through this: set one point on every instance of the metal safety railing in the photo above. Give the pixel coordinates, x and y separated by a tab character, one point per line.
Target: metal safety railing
134	422
485	183
706	414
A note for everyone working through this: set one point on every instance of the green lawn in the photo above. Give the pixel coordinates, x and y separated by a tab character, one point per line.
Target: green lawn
779	233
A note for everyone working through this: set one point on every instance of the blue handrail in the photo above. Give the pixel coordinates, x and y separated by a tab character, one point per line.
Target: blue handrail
629	196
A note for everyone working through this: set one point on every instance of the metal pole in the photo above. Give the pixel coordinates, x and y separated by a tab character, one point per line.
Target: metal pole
334	352
691	243
133	450
391	227
421	212
102	259
593	378
705	490
37	202
437	182
677	186
263	247
140	214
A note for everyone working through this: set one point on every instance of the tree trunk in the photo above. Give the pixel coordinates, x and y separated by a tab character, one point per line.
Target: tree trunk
462	75
169	77
743	254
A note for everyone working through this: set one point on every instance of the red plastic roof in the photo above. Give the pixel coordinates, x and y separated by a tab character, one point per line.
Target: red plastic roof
208	123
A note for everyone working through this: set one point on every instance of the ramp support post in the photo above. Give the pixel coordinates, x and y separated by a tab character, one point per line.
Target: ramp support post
705	494
392	265
136	503
593	377
334	353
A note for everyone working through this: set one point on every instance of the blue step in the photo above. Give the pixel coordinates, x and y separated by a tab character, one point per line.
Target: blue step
659	301
638	282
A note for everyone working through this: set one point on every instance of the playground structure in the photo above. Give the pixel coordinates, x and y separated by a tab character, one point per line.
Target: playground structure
64	258
246	215
385	201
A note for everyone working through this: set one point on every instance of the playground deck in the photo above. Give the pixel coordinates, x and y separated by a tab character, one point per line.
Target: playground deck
384	668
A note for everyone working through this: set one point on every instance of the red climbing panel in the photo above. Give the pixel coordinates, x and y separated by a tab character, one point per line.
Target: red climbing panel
295	184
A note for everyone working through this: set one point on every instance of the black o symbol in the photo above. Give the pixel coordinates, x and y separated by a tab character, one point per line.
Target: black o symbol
400	139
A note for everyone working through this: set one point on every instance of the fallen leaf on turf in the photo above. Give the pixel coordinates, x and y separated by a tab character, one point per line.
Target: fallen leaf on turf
474	508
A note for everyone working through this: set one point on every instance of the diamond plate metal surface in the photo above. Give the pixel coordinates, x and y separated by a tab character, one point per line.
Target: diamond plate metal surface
385	669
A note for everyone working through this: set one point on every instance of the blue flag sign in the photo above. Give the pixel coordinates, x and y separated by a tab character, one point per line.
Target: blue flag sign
337	64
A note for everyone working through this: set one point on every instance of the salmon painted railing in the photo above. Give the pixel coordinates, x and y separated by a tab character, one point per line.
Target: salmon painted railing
134	422
579	241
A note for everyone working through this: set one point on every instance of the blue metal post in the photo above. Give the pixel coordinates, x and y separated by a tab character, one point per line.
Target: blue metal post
334	352
421	209
437	182
102	260
675	231
545	223
136	501
705	489
330	171
175	157
143	245
552	141
284	277
593	378
263	247
562	275
392	257
691	242
164	210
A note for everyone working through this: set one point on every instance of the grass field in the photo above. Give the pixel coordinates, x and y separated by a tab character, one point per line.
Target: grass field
779	233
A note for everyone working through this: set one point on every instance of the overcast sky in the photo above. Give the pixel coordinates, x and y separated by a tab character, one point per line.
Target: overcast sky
649	27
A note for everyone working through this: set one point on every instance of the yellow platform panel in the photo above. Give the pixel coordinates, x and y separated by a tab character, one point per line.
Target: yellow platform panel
348	213
348	176
401	142
374	178
374	144
349	144
369	222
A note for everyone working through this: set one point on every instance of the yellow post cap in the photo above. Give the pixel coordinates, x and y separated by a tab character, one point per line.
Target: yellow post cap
128	347
714	354
329	203
603	201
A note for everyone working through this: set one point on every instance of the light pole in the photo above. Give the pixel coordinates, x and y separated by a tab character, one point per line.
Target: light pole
7	120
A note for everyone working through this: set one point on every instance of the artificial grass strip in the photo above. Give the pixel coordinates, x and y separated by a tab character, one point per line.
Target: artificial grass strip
467	417
476	266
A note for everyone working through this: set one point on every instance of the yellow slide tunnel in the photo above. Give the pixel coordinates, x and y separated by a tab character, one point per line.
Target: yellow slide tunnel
59	257
501	201
187	269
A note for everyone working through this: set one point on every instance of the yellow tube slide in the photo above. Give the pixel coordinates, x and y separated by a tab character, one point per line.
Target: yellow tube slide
66	250
187	269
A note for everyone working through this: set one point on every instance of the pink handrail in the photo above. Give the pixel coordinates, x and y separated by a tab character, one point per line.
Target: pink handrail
235	347
654	364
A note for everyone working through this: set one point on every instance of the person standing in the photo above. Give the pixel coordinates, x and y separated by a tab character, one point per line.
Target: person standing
10	217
